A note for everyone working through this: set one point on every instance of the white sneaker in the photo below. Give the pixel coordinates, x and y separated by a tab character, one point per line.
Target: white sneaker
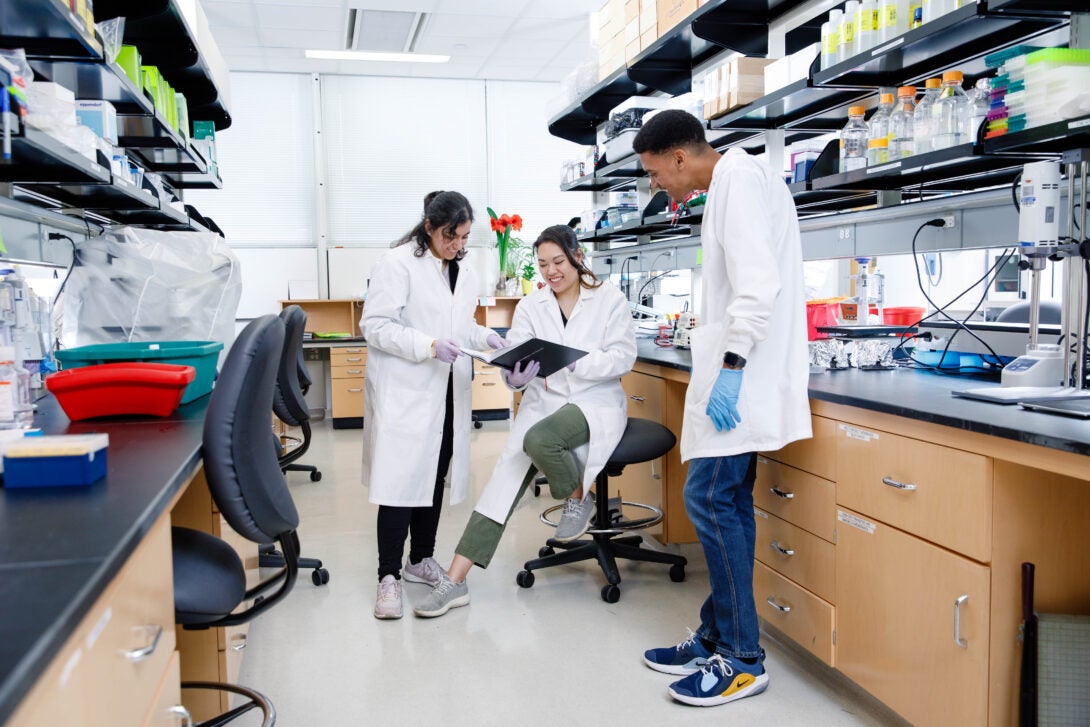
388	602
575	518
426	571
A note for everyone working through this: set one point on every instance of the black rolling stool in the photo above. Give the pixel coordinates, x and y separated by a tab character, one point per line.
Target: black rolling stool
643	441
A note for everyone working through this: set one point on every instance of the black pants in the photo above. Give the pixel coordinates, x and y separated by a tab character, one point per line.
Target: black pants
397	523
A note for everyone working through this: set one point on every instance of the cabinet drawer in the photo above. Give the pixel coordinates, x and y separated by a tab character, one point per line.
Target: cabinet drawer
801	556
490	392
940	494
795	611
342	357
165	709
347	396
645	395
481	367
816	455
796	496
351	371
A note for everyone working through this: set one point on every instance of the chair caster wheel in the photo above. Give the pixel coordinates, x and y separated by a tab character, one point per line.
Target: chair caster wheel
677	573
525	578
545	550
611	593
315	476
478	424
537	490
319	576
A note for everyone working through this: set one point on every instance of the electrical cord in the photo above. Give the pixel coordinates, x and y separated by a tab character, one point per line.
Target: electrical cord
626	284
68	274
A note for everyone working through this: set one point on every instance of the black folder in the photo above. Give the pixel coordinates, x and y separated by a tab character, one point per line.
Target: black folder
551	357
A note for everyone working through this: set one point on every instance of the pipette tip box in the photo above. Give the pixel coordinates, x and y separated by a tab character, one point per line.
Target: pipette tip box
52	461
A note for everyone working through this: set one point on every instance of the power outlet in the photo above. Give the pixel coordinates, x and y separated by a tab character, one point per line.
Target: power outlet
948	221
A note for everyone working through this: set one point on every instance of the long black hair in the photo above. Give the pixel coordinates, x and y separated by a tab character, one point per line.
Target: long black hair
564	236
443	211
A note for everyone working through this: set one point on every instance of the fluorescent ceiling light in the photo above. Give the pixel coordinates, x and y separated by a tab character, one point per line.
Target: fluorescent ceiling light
351	55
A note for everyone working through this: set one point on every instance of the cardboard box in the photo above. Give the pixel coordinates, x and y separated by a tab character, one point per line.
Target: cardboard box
610	20
632	32
646	39
631	11
672	12
631	51
649	19
777	75
745	81
711	93
100	117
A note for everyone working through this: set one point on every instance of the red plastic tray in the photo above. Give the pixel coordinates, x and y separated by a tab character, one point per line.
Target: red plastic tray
118	389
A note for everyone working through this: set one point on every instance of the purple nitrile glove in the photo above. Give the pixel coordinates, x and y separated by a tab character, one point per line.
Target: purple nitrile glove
723	402
571	366
519	377
447	350
496	341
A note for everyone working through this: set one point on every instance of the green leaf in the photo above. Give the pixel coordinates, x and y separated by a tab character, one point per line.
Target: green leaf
492	214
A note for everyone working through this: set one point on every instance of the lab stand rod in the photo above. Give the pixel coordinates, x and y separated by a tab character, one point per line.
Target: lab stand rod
1034	302
1080	348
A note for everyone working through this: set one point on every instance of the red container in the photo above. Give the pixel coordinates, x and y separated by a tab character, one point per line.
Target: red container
118	389
908	315
820	314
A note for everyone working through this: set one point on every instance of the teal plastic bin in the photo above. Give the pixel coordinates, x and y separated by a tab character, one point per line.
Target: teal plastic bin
201	355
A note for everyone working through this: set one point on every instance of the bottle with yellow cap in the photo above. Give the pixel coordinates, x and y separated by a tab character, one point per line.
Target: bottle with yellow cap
951	112
878	132
853	141
901	124
932	86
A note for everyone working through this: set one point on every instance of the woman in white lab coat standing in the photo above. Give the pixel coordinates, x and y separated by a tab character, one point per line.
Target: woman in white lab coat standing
418	313
566	427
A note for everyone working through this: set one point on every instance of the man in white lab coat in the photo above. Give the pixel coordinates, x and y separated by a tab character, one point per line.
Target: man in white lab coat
747	391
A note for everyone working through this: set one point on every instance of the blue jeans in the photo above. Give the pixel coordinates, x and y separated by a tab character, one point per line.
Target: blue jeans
719	501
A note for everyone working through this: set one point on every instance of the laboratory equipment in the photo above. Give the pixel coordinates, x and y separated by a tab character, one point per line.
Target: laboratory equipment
685	323
922	115
902	124
951	113
853	141
1041	365
981	99
1039	216
870	293
120	389
15	409
878	132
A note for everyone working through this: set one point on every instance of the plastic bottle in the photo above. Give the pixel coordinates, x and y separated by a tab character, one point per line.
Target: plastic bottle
951	113
16	412
836	17
901	124
878	132
829	35
893	19
847	30
866	26
853	141
922	120
981	98
915	14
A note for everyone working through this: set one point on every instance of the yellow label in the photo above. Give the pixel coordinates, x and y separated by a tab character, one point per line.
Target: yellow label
829	48
849	33
889	17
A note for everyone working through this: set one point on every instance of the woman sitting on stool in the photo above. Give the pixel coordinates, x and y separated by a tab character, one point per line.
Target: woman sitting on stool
579	416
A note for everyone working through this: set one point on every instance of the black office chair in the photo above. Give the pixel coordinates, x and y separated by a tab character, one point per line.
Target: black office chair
290	406
289	403
1048	312
643	440
244	477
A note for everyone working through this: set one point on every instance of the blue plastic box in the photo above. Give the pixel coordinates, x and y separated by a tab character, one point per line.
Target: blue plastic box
78	459
201	355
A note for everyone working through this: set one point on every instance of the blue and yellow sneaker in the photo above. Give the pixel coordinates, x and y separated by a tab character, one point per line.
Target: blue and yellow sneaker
721	680
685	658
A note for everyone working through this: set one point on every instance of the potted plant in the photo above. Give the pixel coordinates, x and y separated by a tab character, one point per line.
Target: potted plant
529	270
507	246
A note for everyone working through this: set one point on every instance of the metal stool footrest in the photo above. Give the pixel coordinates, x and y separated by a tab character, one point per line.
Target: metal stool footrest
619	526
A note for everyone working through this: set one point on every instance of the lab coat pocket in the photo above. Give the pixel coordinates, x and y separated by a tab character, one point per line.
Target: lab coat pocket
706	364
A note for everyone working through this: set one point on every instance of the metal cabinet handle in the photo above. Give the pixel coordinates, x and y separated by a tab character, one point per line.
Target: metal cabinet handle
354	391
353	350
957	621
136	655
354	371
180	711
636	398
488	383
355	359
239	642
899	485
781	549
771	601
782	493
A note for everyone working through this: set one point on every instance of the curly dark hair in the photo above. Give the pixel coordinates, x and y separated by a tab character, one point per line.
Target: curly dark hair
442	210
668	130
564	236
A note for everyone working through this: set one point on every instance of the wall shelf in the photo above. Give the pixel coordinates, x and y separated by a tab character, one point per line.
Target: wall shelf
800	105
107	199
1054	138
38	157
46	28
96	79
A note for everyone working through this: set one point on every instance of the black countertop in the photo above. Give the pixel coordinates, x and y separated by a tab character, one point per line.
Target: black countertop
923	396
60	547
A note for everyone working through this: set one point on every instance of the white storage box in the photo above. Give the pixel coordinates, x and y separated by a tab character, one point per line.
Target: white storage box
100	117
620	146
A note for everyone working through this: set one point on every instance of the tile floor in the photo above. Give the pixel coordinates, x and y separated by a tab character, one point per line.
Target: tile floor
554	654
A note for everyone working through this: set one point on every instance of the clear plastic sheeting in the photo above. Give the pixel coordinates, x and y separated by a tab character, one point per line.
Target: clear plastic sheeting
134	284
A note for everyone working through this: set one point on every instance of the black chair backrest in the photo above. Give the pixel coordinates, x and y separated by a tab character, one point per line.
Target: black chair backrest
240	458
1048	312
289	404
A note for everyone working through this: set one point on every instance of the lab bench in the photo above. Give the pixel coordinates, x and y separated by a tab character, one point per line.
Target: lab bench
889	545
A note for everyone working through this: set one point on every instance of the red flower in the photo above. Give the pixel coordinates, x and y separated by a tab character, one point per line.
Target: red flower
516	222
497	226
505	220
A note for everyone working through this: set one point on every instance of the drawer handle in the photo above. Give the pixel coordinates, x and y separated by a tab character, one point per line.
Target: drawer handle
907	487
488	383
239	642
137	655
354	360
781	549
354	371
957	621
353	350
771	601
180	711
782	493
354	391
636	398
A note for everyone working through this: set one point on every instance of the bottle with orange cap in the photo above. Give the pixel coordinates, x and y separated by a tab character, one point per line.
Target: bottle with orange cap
901	124
878	128
932	86
951	113
853	141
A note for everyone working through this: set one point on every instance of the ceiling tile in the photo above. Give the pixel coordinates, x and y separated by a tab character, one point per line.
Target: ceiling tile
523	49
505	8
467	26
299	3
445	45
561	8
228	38
229	14
551	28
282	38
301	17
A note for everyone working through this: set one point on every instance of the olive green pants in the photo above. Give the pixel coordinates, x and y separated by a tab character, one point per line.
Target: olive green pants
549	444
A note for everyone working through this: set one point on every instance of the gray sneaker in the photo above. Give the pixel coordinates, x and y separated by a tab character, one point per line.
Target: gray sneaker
426	571
443	597
575	520
388	602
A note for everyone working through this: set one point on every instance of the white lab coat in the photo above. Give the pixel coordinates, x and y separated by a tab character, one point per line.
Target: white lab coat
754	304
601	324
409	304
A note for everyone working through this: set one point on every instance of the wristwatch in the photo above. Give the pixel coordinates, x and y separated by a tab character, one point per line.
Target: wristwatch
733	360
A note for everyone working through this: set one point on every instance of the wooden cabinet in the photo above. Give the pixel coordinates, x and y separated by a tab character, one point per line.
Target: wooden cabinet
347	370
489	390
642	482
120	653
799	614
796	554
167	710
816	455
797	497
912	623
496	312
331	316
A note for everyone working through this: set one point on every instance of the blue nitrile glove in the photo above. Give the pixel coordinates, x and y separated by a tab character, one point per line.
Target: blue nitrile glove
496	341
723	402
447	350
519	377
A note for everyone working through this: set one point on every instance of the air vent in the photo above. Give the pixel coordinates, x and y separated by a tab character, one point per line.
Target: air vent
382	30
